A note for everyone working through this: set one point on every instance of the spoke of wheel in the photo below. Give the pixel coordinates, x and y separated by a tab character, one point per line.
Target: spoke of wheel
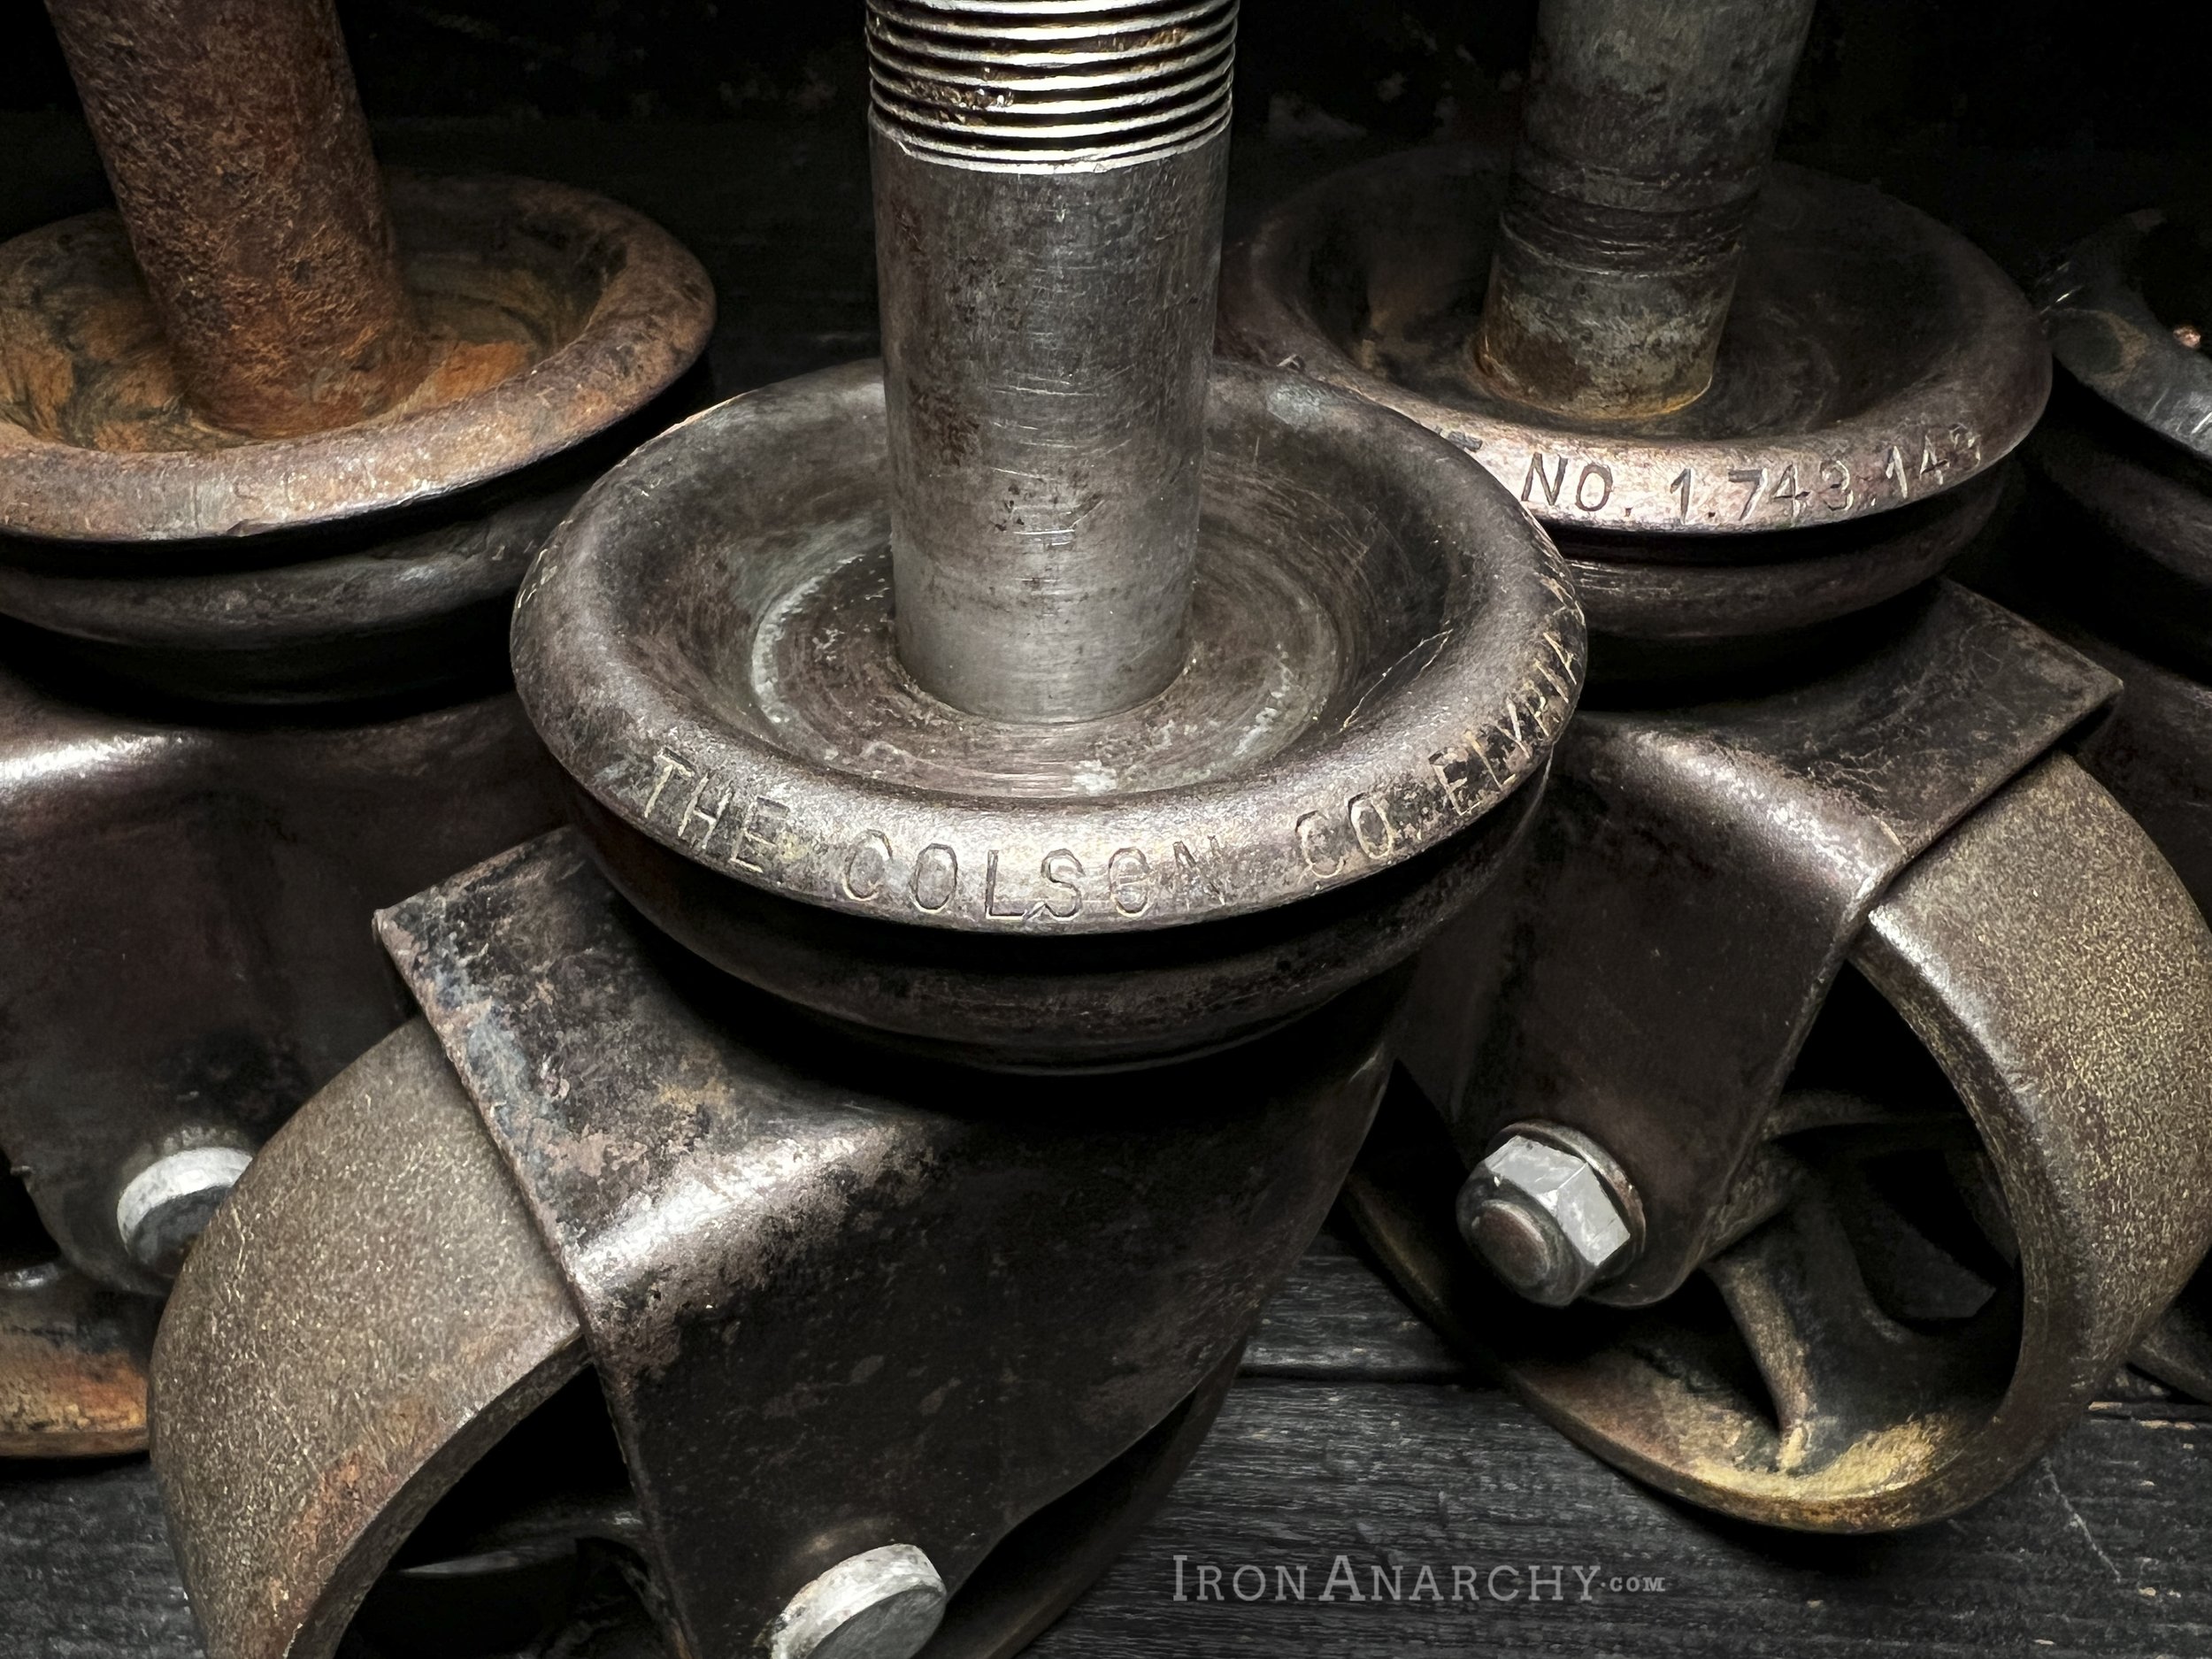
1837	1368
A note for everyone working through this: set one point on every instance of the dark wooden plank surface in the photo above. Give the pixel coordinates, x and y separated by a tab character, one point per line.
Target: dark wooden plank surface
1355	1434
1354	1431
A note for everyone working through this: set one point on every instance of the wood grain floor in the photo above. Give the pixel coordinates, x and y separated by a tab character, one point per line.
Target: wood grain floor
1355	1444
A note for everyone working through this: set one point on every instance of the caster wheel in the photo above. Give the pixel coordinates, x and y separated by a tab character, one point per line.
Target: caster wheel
1979	1187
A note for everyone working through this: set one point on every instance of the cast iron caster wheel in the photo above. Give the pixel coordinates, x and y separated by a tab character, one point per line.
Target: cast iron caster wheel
391	1316
1976	1193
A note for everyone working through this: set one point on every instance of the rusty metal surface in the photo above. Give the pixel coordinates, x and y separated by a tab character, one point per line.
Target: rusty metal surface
368	1314
899	1245
1871	358
1382	649
385	606
234	140
72	1364
553	315
1695	880
2121	565
191	898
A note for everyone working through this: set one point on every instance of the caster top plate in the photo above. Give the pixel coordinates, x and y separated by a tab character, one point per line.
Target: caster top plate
555	313
1382	648
1873	358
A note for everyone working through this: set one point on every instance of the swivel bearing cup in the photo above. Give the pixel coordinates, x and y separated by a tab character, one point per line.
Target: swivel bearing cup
1865	367
1381	650
277	441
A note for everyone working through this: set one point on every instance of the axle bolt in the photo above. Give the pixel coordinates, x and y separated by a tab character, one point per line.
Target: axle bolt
168	1204
880	1604
1544	1218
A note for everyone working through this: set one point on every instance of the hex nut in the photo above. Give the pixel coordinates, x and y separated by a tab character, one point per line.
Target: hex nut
880	1604
169	1203
1544	1220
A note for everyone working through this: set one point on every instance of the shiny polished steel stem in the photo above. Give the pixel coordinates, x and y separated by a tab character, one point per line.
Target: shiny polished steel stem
1048	185
1648	130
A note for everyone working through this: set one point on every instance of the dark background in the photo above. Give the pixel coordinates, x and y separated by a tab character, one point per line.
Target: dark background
1883	77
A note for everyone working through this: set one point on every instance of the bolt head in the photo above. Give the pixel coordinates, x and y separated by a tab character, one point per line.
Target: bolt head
1543	1219
880	1604
169	1203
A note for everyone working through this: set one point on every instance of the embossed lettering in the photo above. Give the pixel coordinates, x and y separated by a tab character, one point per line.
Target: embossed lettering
1193	876
1513	722
865	865
697	813
1371	826
1062	870
1592	473
1681	489
1787	489
990	893
1308	829
1129	880
1441	764
1928	463
1835	476
666	767
936	878
1536	479
1754	479
1893	469
1479	748
757	828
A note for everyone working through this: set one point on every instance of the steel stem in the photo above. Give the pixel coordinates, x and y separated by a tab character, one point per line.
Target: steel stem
1649	128
1049	188
234	140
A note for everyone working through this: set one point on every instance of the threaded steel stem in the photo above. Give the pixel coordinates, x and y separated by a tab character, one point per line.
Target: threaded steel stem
1050	83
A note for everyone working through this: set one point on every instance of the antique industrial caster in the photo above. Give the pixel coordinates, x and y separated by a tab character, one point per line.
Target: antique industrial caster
273	462
2126	574
1815	1114
1009	779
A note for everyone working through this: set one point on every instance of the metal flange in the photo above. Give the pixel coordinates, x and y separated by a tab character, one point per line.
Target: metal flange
1094	890
345	561
1381	650
1873	363
553	315
1872	358
2125	312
